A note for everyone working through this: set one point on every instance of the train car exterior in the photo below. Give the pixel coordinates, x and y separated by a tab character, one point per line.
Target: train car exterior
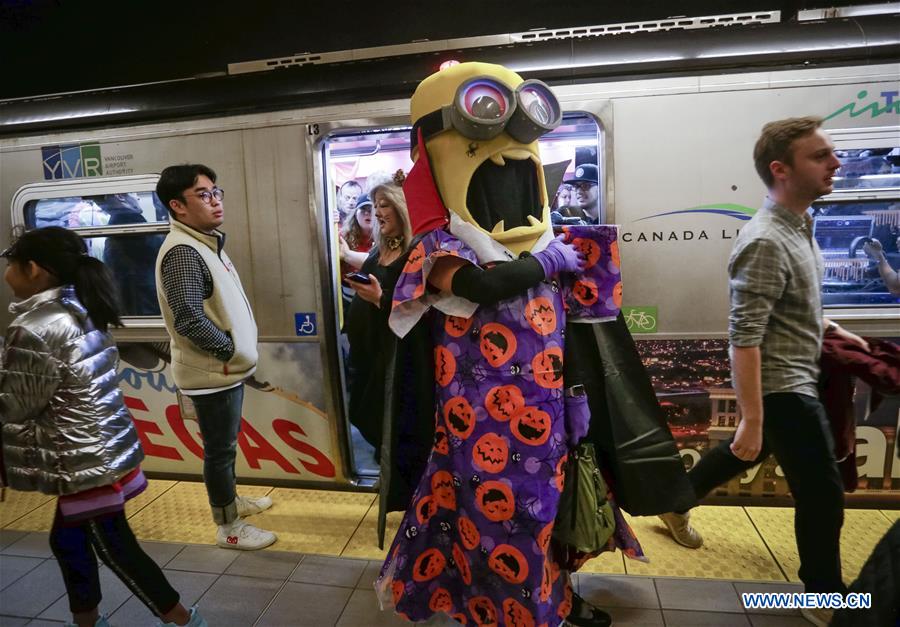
676	175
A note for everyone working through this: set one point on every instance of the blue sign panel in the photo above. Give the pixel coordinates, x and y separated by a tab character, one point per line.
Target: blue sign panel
51	161
71	161
305	324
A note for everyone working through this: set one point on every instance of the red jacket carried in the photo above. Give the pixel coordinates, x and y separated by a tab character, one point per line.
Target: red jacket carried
841	363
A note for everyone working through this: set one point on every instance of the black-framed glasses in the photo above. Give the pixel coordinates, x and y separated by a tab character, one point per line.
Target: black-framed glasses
207	195
583	186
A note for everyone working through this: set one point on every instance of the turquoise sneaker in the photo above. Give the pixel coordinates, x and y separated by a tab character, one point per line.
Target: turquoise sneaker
196	620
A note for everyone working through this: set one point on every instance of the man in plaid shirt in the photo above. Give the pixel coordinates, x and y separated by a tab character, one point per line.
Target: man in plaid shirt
775	329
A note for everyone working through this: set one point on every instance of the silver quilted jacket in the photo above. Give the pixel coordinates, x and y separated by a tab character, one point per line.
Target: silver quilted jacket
65	426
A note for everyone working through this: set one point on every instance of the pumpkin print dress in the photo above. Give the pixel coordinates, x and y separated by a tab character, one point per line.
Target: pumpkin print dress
475	541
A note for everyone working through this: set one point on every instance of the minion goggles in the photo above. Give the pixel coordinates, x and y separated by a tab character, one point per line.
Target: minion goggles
484	107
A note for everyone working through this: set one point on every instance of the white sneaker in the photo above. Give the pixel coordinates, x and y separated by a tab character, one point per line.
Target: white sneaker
243	536
248	506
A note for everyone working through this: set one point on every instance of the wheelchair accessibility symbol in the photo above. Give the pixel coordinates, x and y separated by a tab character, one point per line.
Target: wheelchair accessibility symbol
305	323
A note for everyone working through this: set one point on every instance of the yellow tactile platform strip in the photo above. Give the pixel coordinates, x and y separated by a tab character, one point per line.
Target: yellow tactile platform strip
861	531
315	521
753	543
732	549
181	514
41	519
19	504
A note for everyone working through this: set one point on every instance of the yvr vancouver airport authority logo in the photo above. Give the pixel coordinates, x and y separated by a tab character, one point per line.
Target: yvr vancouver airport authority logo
71	161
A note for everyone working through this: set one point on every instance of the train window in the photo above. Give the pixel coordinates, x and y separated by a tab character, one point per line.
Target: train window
123	223
852	235
574	170
868	168
112	210
132	259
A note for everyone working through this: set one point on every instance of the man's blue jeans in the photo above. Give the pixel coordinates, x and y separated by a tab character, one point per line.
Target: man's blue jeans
219	415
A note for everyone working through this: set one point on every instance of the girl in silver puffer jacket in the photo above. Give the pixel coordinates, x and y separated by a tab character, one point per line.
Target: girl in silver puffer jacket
65	428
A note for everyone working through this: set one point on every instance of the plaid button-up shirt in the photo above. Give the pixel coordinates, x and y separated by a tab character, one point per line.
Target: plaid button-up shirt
775	279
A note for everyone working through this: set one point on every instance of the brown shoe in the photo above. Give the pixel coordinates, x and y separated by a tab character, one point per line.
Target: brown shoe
680	527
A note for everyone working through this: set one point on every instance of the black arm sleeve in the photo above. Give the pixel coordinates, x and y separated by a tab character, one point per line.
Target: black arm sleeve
500	282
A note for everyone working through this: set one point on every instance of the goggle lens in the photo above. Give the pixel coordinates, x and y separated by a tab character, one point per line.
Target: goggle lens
537	104
484	100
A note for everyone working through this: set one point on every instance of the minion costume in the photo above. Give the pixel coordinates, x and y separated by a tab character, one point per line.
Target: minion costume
475	542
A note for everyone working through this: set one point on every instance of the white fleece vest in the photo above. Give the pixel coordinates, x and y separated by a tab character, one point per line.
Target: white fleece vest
227	308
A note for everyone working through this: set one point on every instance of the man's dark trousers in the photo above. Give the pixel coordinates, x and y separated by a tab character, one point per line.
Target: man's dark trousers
796	431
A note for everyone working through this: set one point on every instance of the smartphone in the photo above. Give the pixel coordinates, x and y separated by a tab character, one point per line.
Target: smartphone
186	406
359	277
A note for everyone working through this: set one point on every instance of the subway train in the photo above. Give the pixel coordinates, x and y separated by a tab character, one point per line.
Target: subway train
667	112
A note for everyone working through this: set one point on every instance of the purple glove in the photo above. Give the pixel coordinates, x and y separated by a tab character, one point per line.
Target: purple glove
560	257
578	416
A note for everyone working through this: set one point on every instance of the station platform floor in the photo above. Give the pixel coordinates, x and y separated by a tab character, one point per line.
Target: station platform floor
320	572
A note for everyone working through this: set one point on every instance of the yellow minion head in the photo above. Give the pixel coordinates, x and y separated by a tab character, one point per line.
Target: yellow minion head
481	123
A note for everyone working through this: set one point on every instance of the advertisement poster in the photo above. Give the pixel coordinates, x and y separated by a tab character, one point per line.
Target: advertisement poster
285	433
692	381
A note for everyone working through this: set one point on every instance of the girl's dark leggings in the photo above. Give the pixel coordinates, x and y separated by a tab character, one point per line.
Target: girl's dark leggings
110	537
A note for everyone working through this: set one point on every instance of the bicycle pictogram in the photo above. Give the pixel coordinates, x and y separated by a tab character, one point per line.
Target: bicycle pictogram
640	320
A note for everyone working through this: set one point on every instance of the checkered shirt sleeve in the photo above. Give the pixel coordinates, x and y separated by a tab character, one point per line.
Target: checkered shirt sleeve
187	283
758	277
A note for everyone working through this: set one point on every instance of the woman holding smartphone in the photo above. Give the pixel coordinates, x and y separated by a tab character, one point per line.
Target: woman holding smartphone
366	324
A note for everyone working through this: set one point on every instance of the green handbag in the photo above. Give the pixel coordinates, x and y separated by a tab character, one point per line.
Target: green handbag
585	520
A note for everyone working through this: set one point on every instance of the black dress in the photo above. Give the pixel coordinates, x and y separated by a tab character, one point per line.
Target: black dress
367	330
392	389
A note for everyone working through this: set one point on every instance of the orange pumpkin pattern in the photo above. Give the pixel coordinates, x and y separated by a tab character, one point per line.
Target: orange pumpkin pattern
425	509
429	564
495	500
454	326
586	292
468	533
490	453
415	259
498	343
509	562
443	490
441	601
444	366
541	315
547	368
504	401
459	417
590	248
516	615
532	426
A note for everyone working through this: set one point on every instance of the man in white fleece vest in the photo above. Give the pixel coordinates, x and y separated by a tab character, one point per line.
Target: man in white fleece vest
213	339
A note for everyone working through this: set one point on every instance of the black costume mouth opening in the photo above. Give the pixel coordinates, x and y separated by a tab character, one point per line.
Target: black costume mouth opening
507	192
